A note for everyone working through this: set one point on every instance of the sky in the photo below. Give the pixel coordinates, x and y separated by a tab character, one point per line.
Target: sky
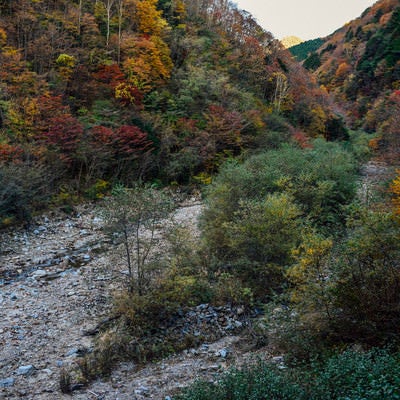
307	19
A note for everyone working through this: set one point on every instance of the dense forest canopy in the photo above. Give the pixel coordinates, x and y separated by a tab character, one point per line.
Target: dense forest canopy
99	91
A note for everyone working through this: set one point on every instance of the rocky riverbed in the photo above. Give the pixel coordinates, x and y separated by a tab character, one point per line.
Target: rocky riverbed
56	285
373	176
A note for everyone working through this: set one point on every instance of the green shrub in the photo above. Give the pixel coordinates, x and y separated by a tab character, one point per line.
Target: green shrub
259	241
230	289
321	180
98	190
366	294
66	198
359	145
343	292
186	290
251	222
262	382
352	375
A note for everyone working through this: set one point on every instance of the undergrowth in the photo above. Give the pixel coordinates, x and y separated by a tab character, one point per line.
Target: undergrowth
351	375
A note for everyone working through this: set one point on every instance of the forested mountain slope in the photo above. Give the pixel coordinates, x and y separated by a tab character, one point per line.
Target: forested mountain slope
360	65
303	50
98	91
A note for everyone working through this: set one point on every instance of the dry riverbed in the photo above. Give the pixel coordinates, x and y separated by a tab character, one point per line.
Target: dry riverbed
55	285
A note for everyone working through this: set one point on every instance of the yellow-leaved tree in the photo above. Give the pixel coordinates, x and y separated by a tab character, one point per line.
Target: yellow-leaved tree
310	276
149	19
146	59
395	190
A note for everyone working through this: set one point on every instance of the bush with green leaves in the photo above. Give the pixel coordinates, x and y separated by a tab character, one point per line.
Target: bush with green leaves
259	241
367	276
351	375
356	375
261	382
321	180
255	210
345	291
359	145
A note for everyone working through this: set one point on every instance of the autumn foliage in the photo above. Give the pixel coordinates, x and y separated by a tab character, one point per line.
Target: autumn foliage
96	96
360	66
395	190
119	90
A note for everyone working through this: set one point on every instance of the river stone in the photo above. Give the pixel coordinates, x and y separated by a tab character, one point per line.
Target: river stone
6	382
72	352
142	390
238	324
222	353
47	371
53	275
77	386
40	273
25	370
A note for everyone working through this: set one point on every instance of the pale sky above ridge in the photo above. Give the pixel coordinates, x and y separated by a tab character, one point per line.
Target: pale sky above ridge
307	19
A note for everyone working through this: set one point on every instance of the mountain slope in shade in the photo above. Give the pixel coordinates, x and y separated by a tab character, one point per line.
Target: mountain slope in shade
360	65
290	41
303	50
